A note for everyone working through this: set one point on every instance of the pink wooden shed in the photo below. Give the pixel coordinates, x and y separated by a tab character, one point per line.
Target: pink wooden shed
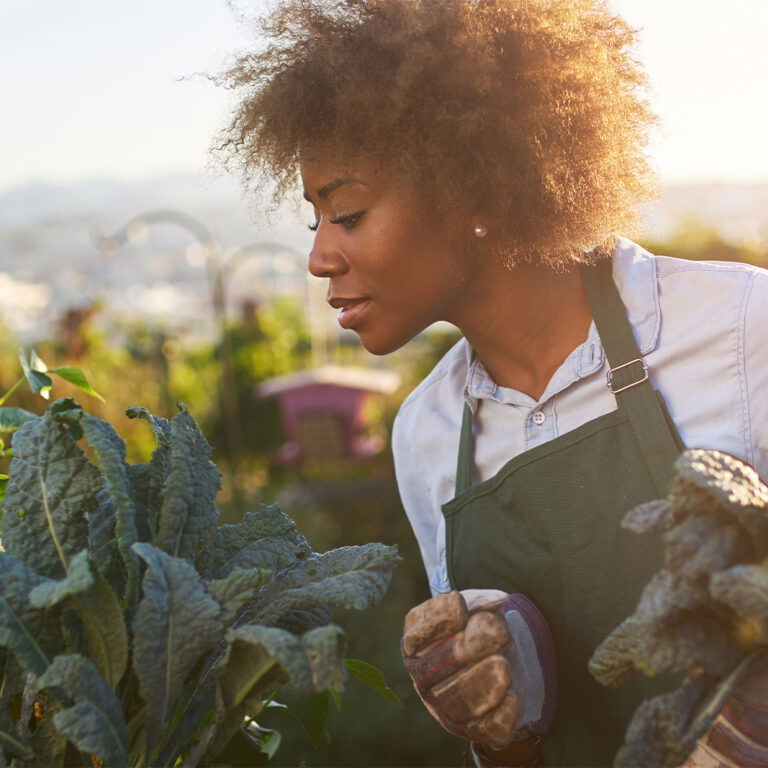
322	411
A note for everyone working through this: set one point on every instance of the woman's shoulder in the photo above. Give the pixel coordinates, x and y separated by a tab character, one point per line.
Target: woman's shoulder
658	289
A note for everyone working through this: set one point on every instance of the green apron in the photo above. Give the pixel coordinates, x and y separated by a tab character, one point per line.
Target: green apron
547	525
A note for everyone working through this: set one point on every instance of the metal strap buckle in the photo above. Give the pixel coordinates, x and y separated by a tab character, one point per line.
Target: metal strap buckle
609	377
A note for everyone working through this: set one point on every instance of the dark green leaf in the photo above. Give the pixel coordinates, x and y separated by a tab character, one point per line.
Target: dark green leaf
52	487
77	377
102	542
251	662
705	544
373	677
12	419
200	706
613	663
657	732
95	722
11	742
12	739
98	609
657	515
666	595
30	632
176	622
716	483
148	484
110	453
48	744
700	639
744	589
188	515
140	481
348	577
266	538
233	592
250	747
310	709
312	661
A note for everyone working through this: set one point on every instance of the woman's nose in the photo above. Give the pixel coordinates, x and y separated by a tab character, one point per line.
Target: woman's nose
325	259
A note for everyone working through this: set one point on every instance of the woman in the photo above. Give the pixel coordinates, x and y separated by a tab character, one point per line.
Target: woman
474	161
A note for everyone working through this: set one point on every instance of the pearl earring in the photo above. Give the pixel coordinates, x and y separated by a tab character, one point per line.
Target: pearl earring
480	231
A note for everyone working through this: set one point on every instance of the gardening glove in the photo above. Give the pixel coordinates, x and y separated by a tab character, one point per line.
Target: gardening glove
739	735
483	663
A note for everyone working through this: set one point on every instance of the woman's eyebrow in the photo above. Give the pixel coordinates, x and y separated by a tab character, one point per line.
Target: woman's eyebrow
332	186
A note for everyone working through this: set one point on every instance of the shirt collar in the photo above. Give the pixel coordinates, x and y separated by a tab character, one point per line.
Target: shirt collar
634	272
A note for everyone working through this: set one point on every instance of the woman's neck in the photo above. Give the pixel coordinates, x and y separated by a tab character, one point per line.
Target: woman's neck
523	322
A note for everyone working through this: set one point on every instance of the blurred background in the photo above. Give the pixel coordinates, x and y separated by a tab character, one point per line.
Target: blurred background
123	254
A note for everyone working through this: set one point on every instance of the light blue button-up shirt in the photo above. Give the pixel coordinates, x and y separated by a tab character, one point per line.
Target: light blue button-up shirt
702	328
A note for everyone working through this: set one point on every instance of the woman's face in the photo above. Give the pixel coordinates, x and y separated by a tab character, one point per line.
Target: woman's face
390	266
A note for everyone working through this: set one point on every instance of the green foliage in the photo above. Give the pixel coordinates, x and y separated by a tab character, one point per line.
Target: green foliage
707	609
372	677
149	634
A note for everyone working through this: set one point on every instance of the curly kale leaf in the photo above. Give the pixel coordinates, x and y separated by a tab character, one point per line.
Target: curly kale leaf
666	594
188	515
52	487
265	539
234	591
314	660
698	639
95	722
30	632
658	733
14	738
613	663
672	638
656	515
176	622
347	577
744	589
705	544
86	592
109	448
102	542
715	483
148	479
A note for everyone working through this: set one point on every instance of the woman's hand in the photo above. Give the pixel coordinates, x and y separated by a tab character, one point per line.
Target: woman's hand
739	735
483	666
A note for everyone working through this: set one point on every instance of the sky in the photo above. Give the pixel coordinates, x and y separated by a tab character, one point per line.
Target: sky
93	89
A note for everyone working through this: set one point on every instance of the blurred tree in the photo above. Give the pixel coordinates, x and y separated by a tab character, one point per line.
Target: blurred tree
693	239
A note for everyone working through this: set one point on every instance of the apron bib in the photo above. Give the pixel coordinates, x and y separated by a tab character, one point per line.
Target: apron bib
548	525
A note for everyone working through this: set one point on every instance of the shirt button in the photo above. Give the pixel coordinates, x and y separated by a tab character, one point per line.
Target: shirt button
539	417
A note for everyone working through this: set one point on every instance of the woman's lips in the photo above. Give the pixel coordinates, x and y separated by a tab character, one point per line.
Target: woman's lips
350	313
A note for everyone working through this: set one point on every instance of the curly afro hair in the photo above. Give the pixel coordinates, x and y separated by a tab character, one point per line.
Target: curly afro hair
529	114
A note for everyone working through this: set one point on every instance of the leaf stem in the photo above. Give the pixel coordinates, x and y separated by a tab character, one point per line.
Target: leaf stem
723	690
11	391
49	519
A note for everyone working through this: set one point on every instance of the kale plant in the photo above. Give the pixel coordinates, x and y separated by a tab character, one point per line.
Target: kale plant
133	629
706	610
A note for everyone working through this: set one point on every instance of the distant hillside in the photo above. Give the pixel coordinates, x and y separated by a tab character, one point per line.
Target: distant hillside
738	211
48	261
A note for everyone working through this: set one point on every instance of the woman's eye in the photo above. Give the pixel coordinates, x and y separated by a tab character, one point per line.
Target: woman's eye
313	227
350	221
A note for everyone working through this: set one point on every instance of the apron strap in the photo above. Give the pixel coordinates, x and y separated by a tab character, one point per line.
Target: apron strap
659	441
464	464
657	436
